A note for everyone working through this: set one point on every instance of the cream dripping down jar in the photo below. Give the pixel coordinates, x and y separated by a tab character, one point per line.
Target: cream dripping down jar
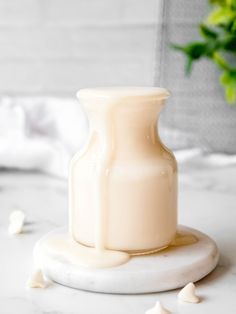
123	184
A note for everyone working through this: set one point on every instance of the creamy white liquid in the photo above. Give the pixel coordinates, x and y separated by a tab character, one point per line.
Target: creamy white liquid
77	254
123	185
183	238
102	185
65	247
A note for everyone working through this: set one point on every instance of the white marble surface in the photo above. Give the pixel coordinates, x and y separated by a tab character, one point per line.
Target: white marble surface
207	201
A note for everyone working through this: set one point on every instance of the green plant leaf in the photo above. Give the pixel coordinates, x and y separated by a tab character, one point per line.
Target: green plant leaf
220	15
230	93
218	45
219	2
229	43
227	3
224	78
206	32
231	3
228	81
233	28
195	50
177	47
188	66
220	61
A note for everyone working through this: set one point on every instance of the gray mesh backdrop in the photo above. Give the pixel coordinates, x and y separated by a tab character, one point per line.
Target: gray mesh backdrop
196	114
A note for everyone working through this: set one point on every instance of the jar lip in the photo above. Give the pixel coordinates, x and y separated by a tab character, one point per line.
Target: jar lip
123	92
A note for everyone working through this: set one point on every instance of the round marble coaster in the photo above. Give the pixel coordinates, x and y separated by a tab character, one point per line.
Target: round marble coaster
168	269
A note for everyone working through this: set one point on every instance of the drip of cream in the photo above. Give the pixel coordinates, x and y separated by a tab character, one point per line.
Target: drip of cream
102	194
102	185
81	255
158	309
16	219
36	280
188	294
100	256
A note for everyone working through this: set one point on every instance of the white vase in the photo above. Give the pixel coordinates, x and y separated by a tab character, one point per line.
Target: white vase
123	185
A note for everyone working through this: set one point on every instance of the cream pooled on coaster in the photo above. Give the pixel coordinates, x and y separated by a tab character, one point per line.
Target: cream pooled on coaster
37	280
16	219
158	309
188	294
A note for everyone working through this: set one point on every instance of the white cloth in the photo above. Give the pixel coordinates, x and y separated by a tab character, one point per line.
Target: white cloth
40	134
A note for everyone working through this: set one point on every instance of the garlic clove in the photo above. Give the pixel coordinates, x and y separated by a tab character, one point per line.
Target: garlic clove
158	309
188	294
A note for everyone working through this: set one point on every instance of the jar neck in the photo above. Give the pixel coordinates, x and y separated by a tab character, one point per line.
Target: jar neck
128	130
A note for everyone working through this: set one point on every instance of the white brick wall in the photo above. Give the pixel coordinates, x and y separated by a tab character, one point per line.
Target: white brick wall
58	46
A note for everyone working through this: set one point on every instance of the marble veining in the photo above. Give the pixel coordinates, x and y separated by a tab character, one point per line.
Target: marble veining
208	207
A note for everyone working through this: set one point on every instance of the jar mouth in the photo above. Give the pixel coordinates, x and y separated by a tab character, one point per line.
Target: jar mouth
149	93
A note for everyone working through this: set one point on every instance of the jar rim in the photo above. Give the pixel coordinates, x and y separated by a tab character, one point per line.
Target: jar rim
123	92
